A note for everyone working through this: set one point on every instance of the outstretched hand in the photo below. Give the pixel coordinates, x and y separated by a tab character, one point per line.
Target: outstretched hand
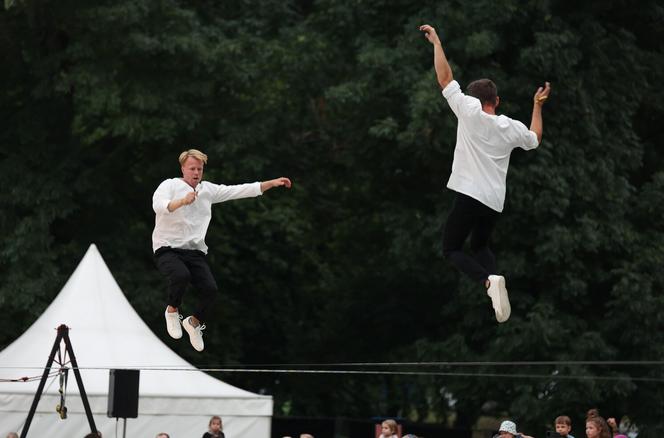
283	181
278	182
542	94
430	33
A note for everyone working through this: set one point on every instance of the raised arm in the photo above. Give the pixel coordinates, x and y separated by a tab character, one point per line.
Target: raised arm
443	69
538	101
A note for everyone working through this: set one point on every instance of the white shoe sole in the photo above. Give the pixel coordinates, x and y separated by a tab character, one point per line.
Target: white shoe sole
505	308
501	302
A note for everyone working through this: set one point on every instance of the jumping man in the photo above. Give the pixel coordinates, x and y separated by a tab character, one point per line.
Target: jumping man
183	208
481	158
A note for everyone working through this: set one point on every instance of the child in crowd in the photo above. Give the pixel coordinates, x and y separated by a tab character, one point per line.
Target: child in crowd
564	426
508	430
214	428
388	429
596	426
613	424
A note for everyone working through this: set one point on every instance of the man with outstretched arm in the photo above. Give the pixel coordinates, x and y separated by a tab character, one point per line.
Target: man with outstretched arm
183	209
479	171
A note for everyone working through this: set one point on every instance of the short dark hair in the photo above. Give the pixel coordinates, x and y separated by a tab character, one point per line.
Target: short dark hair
564	419
483	89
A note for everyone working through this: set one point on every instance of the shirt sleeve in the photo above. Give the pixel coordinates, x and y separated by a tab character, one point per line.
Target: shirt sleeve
461	105
161	197
526	139
222	193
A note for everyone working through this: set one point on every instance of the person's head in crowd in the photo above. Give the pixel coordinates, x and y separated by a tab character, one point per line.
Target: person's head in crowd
388	427
596	426
12	435
306	435
410	435
162	435
613	425
563	425
215	425
507	429
93	435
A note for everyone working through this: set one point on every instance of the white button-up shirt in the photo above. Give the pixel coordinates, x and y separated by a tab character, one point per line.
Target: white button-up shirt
187	226
483	148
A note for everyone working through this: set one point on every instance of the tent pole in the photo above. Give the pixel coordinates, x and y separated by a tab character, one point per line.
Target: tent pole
79	380
42	383
63	334
124	429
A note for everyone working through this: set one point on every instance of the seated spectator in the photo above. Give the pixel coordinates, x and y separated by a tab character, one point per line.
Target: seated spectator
507	429
564	426
214	428
388	429
614	428
162	435
596	426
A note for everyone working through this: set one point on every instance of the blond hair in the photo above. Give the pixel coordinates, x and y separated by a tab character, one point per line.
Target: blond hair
392	425
192	153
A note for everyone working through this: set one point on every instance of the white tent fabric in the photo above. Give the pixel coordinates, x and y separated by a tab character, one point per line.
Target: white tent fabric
107	333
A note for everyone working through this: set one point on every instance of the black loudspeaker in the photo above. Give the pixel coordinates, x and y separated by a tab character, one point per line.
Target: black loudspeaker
123	394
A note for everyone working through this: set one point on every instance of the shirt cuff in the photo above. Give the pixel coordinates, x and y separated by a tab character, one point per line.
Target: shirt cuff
534	142
161	206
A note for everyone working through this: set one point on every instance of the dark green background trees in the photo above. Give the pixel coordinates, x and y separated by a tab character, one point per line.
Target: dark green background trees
98	99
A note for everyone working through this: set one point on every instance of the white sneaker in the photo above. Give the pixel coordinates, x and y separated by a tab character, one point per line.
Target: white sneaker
499	298
173	324
195	333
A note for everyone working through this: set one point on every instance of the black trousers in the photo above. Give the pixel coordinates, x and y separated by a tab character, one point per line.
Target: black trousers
470	217
184	266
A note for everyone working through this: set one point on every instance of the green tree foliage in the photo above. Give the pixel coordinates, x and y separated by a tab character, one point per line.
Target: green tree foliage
99	99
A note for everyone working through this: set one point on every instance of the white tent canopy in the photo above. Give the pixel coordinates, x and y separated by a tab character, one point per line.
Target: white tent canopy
107	333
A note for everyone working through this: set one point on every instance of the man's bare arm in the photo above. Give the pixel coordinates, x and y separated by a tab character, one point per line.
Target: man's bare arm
278	182
177	203
540	97
443	69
